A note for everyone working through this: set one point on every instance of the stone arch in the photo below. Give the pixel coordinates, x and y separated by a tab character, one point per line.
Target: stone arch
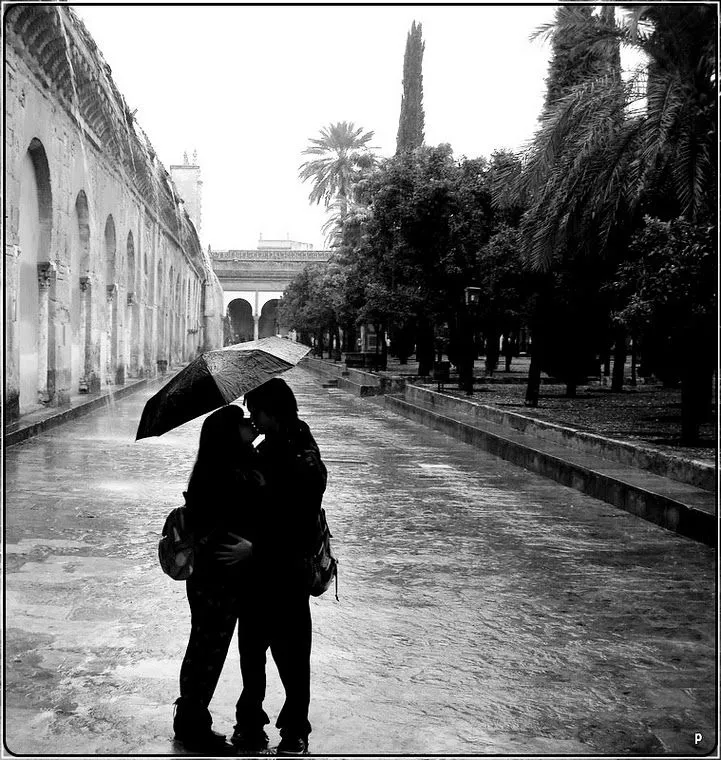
110	250
109	348
240	316
268	322
177	303
130	262
170	312
160	311
80	312
36	352
132	322
147	294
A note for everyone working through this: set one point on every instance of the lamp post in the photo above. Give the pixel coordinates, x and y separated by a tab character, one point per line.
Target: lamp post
472	299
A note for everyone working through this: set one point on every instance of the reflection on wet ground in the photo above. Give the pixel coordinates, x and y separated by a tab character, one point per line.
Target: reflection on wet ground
483	609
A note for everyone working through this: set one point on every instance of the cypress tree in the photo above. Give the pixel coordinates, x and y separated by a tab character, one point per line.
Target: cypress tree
412	119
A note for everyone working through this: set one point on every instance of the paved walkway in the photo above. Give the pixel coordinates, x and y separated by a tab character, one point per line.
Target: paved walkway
483	609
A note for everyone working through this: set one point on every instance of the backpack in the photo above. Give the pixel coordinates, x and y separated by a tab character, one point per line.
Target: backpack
321	565
177	547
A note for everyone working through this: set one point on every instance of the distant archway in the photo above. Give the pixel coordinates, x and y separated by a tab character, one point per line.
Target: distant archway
268	322
240	314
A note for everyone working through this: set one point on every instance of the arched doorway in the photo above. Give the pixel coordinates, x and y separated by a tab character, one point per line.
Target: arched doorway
148	300
80	311
35	223
240	314
268	322
161	354
132	322
110	362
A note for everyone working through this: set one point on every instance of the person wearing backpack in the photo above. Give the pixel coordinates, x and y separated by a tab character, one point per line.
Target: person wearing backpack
222	508
278	599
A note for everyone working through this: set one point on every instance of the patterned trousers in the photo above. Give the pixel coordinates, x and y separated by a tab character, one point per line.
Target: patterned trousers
214	609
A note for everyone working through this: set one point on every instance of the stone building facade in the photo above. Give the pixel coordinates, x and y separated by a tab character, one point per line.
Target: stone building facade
253	282
105	275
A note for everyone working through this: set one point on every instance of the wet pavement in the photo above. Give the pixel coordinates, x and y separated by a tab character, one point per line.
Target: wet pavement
483	609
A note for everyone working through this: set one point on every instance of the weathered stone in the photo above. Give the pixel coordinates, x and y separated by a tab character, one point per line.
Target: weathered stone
82	186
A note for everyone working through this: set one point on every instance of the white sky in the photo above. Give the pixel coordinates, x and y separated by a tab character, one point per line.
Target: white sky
248	86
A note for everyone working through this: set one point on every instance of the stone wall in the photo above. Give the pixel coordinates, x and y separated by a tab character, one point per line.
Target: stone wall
104	272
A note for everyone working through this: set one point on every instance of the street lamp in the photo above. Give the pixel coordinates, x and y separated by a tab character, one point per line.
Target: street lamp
472	298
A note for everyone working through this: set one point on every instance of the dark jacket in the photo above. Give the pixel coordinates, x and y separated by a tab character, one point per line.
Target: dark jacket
221	501
295	482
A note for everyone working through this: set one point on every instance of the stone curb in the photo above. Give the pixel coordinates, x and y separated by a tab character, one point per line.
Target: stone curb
671	513
693	472
28	430
696	522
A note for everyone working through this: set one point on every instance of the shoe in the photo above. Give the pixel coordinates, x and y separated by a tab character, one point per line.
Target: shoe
206	742
293	744
249	741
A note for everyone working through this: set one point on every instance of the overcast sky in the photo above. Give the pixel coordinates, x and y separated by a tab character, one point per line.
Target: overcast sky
246	87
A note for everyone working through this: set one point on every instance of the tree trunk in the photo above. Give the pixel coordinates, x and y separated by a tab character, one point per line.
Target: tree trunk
697	378
492	352
619	361
424	348
533	386
571	388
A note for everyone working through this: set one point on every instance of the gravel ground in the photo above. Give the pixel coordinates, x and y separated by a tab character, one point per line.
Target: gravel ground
648	413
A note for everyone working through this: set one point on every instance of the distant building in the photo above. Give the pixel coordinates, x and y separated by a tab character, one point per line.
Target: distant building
253	282
283	245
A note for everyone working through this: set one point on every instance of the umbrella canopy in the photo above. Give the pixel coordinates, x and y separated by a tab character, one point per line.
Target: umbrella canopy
217	378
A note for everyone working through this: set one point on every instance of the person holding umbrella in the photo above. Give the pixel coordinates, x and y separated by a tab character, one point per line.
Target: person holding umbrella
278	602
222	499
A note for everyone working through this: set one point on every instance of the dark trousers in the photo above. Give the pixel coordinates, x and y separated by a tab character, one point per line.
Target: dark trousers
213	612
287	632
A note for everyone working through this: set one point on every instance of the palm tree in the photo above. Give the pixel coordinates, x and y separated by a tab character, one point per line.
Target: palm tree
341	149
609	148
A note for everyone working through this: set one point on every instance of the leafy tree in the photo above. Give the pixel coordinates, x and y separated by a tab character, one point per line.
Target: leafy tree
341	151
611	150
412	118
506	289
670	292
416	250
307	306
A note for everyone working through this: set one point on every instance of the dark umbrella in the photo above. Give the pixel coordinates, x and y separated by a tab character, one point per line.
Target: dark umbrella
217	378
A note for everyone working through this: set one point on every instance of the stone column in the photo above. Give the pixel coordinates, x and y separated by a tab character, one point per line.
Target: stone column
111	360
46	279
84	385
130	348
256	327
